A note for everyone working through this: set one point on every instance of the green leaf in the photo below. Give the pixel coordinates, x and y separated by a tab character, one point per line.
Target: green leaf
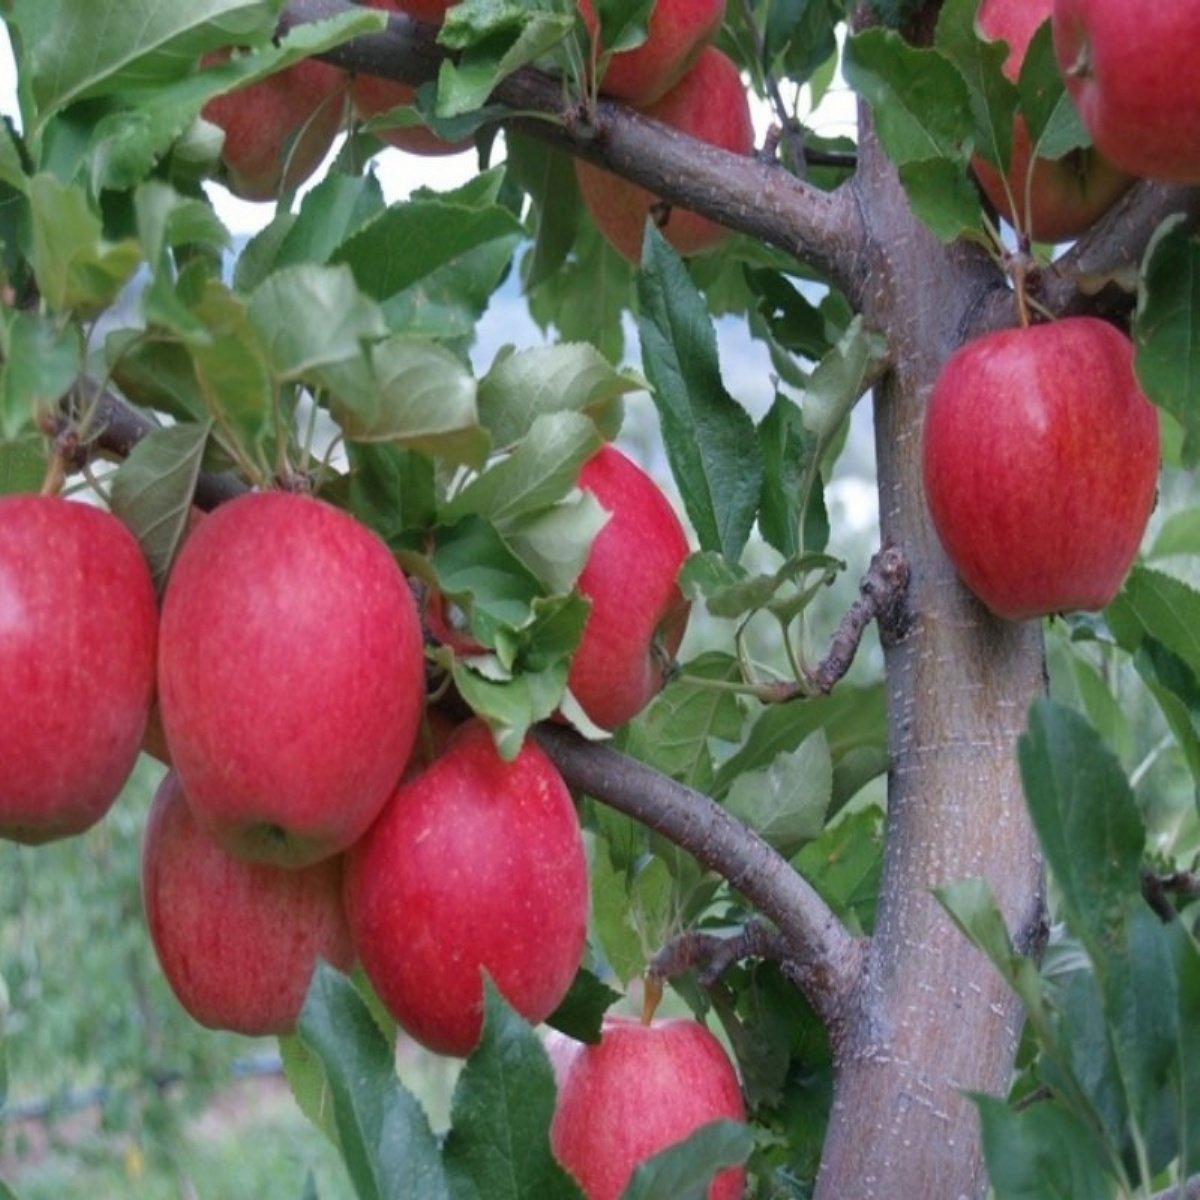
1085	816
389	488
231	365
388	1147
555	542
1050	114
921	103
411	392
1160	606
312	316
153	488
710	439
306	1077
511	706
623	23
841	377
854	721
475	567
22	465
449	302
676	732
412	240
845	864
612	918
944	198
333	211
685	1170
73	50
572	377
1042	1153
498	1147
785	803
77	270
795	322
585	299
791	456
981	64
580	1013
542	469
495	40
41	361
1179	535
1165	328
548	177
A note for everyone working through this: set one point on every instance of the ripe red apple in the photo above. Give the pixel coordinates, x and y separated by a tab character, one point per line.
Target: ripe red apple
372	96
1041	464
1132	71
291	676
1066	195
278	131
475	863
638	613
78	629
710	104
638	1090
678	30
237	941
432	12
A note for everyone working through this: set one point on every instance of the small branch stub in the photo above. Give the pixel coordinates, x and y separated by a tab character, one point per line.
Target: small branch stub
882	597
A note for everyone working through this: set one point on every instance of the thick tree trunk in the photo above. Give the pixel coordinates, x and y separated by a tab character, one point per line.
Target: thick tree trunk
932	1020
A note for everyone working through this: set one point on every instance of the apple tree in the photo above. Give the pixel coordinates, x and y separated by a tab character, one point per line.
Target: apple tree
940	907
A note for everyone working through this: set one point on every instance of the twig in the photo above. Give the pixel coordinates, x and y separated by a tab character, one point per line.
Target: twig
827	959
787	124
710	955
1158	890
821	228
117	428
881	597
1086	278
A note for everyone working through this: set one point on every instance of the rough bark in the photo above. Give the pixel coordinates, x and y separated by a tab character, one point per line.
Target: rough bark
932	1018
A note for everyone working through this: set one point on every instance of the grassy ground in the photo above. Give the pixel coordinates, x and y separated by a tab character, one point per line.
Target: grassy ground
253	1144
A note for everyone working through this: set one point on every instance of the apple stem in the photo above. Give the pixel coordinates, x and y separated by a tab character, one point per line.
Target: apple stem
651	996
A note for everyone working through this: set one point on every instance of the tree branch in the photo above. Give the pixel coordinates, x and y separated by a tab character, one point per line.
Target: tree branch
763	200
710	955
827	959
1098	274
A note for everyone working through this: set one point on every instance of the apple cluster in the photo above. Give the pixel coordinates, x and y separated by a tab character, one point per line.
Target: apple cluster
1129	69
1040	452
278	131
288	667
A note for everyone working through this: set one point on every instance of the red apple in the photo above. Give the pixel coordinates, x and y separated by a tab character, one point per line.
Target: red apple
78	628
638	613
1133	72
1066	195
1041	464
291	676
237	941
710	104
372	96
475	864
678	30
432	12
638	1090
278	131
